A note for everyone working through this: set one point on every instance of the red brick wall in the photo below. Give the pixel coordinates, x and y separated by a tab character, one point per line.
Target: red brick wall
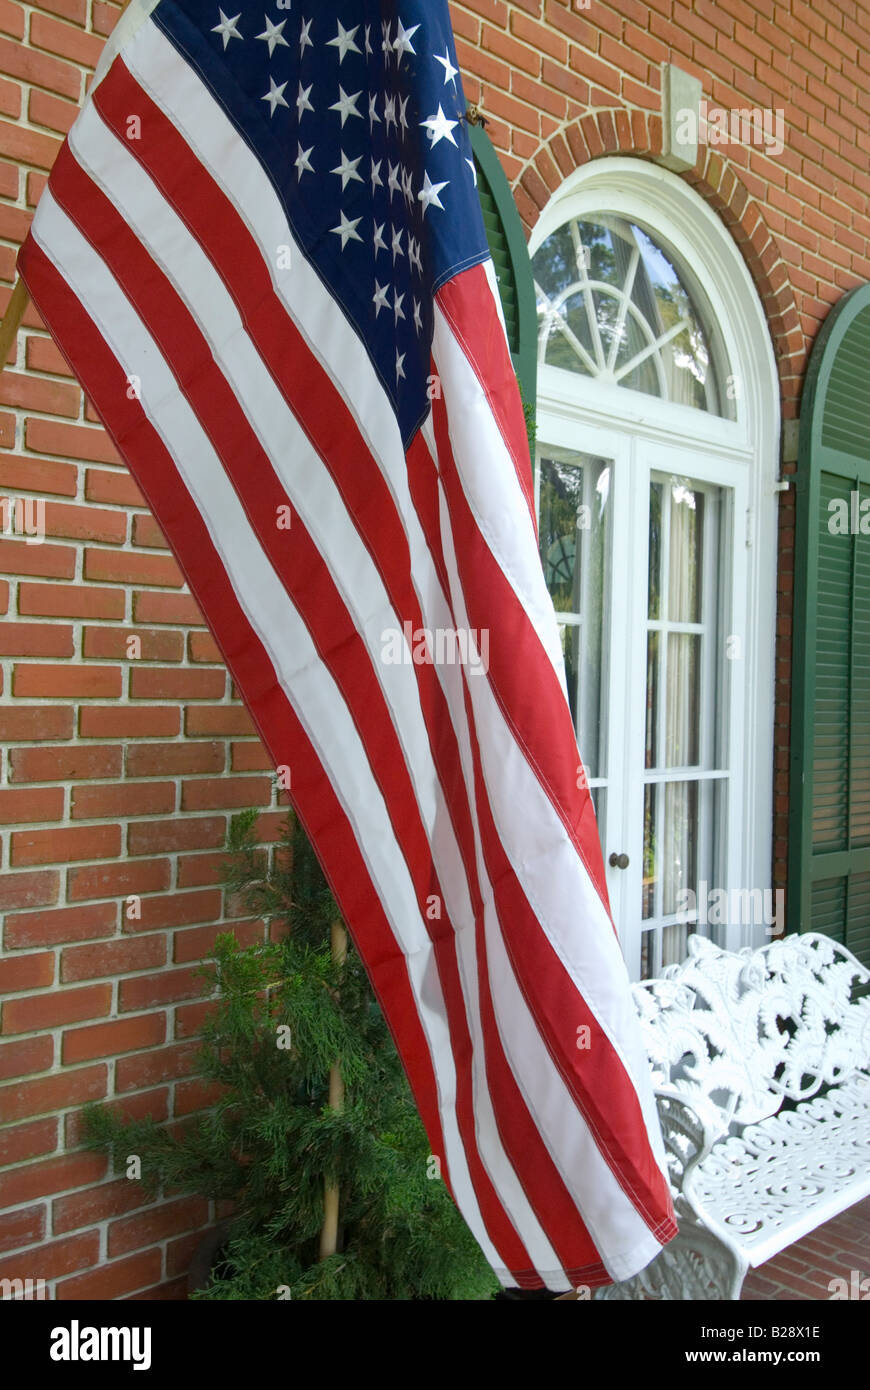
118	774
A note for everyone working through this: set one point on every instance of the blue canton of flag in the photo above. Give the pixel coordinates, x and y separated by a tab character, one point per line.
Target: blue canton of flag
358	116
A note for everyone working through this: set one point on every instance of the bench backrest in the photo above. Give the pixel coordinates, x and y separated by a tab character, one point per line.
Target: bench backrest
744	1030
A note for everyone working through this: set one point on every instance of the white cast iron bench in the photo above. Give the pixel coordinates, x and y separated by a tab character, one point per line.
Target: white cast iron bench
761	1063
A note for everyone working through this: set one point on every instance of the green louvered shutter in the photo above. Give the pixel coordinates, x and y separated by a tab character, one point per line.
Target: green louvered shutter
513	268
829	819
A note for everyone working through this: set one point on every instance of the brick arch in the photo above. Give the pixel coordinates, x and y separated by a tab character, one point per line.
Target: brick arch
717	179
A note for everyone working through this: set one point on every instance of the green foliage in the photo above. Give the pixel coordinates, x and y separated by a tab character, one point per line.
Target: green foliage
271	1139
530	413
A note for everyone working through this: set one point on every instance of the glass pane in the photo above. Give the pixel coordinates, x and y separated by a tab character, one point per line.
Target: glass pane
556	264
569	325
686	552
573	508
655	550
683	700
647	374
675	943
666	303
680	842
650	855
652	698
646	945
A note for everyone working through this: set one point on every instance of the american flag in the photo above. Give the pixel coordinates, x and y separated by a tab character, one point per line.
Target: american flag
262	252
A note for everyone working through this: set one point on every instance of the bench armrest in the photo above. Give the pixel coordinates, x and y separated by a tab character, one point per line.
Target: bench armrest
691	1124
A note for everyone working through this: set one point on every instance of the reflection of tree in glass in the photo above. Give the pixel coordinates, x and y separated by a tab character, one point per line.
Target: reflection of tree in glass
649	856
679	829
561	495
559	264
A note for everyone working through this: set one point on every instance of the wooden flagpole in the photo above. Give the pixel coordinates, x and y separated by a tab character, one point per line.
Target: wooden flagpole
18	302
331	1194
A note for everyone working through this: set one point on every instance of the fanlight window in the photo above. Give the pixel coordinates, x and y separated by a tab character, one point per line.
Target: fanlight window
612	306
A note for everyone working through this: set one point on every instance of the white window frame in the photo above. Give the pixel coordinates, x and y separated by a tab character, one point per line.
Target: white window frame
742	453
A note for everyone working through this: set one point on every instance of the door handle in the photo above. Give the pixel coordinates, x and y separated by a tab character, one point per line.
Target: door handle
618	861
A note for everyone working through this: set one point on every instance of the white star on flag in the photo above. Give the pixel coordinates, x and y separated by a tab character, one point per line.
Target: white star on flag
402	42
374	118
400	371
390	111
393	181
273	34
346	106
368	46
275	95
386	46
305	39
439	127
303	163
414	254
403	106
302	102
397	244
408	187
380	244
227	27
344	42
450	72
397	305
428	194
381	298
473	167
347	170
347	230
375	176
418	317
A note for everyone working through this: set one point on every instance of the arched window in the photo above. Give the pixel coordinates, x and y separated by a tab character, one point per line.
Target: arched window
657	419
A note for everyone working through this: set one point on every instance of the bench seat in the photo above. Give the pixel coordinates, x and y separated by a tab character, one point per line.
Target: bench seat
787	1174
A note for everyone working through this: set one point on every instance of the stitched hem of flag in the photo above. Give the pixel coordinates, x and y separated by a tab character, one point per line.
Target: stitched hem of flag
593	1276
480	259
